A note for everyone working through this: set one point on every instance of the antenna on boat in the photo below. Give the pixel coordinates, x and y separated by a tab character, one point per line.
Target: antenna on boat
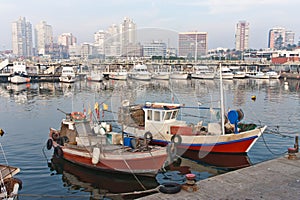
222	100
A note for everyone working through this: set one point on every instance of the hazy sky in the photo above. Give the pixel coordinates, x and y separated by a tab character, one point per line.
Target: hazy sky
217	17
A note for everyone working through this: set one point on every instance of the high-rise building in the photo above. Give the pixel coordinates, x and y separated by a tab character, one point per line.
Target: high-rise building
154	48
242	36
43	37
22	37
276	38
192	44
99	42
66	39
127	35
289	38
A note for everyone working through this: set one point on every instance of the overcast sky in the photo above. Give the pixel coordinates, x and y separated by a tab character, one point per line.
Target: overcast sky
217	17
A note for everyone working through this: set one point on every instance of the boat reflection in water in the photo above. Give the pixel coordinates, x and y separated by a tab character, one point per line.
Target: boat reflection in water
102	185
218	160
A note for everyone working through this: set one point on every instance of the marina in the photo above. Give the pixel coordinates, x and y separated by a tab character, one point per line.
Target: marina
36	103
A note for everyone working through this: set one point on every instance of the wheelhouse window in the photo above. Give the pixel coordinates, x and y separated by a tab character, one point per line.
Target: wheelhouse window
168	115
174	114
149	115
156	115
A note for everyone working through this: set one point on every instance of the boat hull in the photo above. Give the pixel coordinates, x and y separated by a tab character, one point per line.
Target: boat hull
239	143
136	163
67	79
19	79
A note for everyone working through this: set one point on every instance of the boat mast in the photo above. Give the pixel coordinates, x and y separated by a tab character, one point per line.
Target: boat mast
222	101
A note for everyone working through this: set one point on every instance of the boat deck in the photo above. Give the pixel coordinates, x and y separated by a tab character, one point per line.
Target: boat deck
8	171
273	179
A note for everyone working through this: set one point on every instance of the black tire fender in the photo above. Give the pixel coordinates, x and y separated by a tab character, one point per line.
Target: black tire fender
176	139
49	143
170	188
148	136
58	152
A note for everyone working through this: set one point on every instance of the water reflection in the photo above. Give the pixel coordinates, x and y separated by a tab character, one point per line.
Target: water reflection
101	184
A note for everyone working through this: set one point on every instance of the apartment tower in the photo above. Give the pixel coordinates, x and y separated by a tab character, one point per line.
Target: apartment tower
242	36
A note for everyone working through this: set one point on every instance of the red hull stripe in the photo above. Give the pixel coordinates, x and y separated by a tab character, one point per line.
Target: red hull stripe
236	146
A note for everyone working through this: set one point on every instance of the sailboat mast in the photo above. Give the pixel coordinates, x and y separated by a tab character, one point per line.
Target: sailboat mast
222	101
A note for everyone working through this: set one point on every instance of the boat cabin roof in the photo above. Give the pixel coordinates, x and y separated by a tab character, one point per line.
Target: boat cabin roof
162	106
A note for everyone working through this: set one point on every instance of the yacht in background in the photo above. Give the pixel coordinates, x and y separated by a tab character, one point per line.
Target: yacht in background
67	75
203	72
140	72
19	74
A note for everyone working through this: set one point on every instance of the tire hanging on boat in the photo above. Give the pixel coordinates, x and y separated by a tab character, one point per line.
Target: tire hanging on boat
170	188
55	136
49	143
148	135
176	139
58	152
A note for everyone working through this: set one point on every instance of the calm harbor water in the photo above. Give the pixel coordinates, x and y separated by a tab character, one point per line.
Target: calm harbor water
29	110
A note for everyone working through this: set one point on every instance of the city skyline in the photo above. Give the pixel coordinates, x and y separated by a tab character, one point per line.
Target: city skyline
216	17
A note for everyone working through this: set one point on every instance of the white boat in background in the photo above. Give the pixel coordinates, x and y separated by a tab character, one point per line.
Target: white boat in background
67	75
257	75
94	76
178	73
19	74
120	74
140	72
161	73
239	74
203	72
226	73
273	74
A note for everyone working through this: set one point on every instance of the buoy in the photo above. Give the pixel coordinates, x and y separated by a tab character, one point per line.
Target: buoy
253	97
96	154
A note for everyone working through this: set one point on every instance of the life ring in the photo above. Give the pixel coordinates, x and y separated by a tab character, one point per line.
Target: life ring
49	144
148	135
176	139
170	188
58	152
78	115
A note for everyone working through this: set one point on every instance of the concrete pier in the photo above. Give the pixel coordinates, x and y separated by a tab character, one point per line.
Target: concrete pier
273	179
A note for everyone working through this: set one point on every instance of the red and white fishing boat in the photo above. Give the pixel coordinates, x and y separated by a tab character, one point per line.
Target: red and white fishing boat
97	148
161	124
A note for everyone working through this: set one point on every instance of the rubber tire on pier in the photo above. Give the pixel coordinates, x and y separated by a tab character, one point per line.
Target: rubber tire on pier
49	144
170	188
176	139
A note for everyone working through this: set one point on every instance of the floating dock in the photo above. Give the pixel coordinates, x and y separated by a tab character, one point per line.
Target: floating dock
273	179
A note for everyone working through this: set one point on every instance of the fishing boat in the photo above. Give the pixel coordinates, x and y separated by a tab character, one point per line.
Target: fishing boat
10	185
97	147
19	74
158	121
67	75
140	72
203	72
